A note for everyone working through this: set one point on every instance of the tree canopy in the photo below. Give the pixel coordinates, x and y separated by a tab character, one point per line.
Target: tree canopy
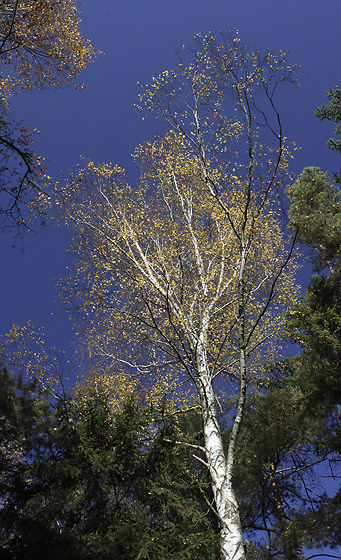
187	273
79	480
332	112
315	213
41	46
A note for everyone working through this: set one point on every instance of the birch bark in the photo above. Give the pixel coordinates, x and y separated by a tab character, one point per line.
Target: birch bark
231	536
219	464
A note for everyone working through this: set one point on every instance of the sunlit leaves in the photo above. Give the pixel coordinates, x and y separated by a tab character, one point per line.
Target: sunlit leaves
41	46
41	43
24	351
157	266
221	93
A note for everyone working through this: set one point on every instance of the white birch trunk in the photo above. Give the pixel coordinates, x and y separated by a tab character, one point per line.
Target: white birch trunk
219	463
231	537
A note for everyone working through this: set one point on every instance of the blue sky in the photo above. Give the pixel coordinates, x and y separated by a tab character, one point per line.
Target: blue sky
139	39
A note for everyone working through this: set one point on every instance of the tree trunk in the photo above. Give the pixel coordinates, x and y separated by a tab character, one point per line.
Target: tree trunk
232	544
287	533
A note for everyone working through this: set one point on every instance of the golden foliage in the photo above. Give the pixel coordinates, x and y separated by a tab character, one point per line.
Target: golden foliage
117	385
24	350
157	268
41	46
195	260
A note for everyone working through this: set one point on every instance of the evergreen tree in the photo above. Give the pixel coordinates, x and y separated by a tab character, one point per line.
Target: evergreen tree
293	431
332	112
25	442
284	505
315	213
81	483
314	323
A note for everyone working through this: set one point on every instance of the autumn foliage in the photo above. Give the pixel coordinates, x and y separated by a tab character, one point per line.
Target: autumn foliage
41	46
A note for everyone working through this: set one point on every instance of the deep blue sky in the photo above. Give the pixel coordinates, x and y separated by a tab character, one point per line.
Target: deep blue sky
139	39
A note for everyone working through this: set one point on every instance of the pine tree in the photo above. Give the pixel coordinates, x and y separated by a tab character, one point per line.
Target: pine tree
79	481
295	427
332	112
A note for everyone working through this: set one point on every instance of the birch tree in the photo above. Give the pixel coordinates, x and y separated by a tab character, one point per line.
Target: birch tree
182	279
